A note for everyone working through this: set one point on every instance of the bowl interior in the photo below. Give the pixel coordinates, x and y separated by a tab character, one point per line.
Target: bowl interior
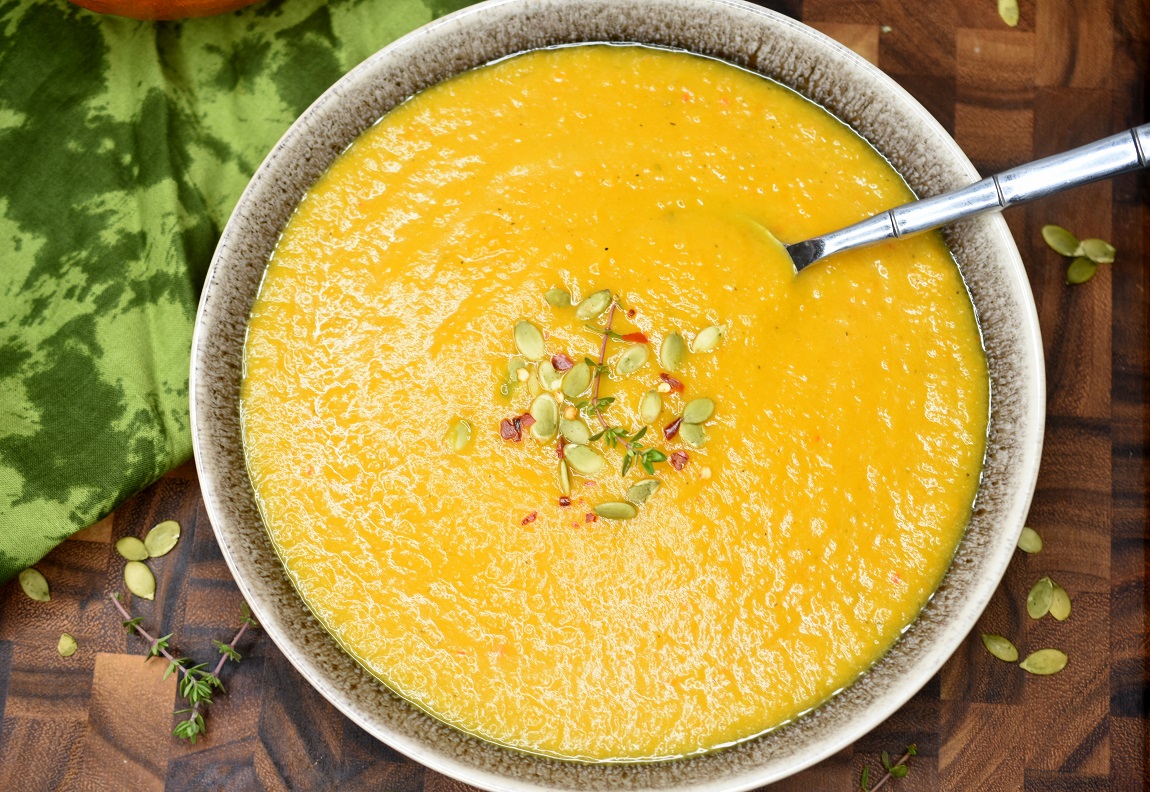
743	35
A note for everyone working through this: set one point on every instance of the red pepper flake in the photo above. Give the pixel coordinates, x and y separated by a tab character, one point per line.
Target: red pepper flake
630	313
530	518
560	446
635	338
509	429
672	429
564	501
590	517
676	385
525	421
679	459
589	483
561	362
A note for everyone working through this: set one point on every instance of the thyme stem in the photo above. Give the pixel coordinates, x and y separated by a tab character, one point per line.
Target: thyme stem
602	359
882	781
153	641
220	665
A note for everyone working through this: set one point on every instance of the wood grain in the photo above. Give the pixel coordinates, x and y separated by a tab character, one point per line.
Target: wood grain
1070	72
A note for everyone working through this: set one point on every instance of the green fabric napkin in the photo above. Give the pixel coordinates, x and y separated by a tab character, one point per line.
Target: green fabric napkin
123	147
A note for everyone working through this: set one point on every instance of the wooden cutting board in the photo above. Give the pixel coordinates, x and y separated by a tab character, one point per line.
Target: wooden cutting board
1070	72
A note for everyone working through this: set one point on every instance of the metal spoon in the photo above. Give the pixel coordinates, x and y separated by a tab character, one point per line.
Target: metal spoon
1110	156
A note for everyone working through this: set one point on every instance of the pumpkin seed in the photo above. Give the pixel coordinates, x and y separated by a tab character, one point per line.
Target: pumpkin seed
632	360
1008	10
1060	240
650	406
140	580
1038	600
529	340
1045	662
131	548
558	298
693	435
564	478
583	460
1000	647
575	431
549	377
1099	251
708	339
66	646
163	536
513	367
594	305
616	510
576	380
534	387
698	411
672	352
35	585
1080	270
1030	541
458	436
546	414
1059	603
641	491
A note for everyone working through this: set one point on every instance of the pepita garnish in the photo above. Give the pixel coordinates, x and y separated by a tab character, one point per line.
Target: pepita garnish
1060	240
574	431
1030	541
546	414
632	360
529	340
534	386
140	580
1038	600
1008	11
551	379
35	585
576	380
616	510
672	352
66	646
513	366
698	411
163	536
1045	662
641	491
458	436
693	435
1080	270
650	406
1059	603
1099	251
131	548
564	478
583	460
558	298
708	339
1000	647
594	305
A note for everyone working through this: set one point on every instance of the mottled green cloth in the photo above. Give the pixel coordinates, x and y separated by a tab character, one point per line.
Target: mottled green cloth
123	147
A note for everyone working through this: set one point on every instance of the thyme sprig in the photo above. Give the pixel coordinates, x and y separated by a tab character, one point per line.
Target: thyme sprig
897	769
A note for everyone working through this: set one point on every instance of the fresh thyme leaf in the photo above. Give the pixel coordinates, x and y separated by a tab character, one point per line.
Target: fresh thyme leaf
899	771
655	455
227	651
628	459
246	612
886	761
864	780
639	434
912	750
597	435
131	624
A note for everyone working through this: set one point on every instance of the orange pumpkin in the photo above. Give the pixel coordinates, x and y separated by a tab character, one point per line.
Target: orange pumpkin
163	9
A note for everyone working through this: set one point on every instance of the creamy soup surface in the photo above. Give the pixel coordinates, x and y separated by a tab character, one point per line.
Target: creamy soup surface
772	565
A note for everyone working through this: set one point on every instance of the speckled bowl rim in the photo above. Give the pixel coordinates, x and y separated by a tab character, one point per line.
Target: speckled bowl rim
1014	450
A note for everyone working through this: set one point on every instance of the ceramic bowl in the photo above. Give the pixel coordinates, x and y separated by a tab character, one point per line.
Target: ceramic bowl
736	32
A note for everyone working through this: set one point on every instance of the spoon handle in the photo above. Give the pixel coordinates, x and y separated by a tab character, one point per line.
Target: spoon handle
1126	151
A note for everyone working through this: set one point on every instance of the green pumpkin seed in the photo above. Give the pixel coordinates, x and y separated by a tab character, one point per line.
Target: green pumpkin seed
140	580
583	460
534	387
650	406
529	340
632	360
458	436
616	510
1059	603
641	491
698	411
1045	662
708	339
1030	541
131	548
1060	240
672	352
163	536
575	432
1008	11
594	305
1099	251
35	585
1080	270
564	478
1000	647
558	298
1038	600
546	414
66	646
513	367
693	435
551	379
576	380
